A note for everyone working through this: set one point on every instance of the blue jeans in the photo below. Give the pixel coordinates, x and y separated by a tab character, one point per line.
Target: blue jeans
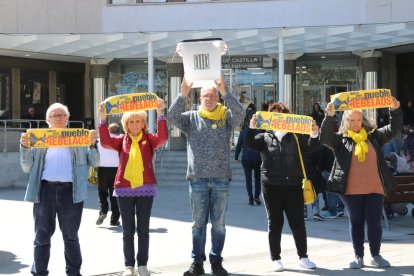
315	206
57	201
139	207
208	198
335	204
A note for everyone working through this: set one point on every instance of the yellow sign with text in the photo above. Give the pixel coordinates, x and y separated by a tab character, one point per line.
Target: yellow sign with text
284	122
58	137
130	103
362	99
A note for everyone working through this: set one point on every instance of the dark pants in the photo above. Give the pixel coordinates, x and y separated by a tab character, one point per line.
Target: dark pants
278	199
248	167
57	200
139	207
106	176
365	209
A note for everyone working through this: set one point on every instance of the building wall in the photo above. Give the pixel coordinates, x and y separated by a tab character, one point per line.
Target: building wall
74	16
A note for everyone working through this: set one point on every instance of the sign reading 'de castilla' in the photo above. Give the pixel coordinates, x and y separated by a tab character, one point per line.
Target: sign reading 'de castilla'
284	122
58	137
362	99
130	103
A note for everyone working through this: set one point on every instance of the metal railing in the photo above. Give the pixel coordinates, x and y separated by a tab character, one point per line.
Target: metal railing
160	151
13	127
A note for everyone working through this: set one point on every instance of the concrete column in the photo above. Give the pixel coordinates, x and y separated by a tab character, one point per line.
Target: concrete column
151	113
52	87
15	87
371	66
99	73
281	61
175	75
289	78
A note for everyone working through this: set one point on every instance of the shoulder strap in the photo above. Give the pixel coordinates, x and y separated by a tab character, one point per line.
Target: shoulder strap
300	156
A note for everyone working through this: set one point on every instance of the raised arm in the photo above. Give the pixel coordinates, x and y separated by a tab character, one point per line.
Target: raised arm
328	137
177	108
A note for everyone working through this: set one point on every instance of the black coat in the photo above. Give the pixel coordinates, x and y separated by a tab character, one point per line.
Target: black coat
343	148
280	160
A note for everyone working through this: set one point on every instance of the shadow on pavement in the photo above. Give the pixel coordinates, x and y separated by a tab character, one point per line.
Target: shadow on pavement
13	264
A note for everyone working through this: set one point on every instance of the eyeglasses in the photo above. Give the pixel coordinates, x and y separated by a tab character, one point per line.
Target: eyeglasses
59	116
209	96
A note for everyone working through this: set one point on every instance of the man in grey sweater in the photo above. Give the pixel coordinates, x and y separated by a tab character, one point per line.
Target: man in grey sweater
208	132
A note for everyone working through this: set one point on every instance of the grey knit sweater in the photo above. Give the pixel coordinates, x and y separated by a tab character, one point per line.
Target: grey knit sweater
208	148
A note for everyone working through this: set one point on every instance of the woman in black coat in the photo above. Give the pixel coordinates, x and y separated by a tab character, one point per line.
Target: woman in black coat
281	178
360	174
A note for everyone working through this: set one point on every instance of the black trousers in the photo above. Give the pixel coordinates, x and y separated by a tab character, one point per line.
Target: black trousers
279	199
106	177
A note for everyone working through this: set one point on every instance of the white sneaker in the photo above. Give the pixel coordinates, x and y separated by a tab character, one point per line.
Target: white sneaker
143	271
306	263
129	271
277	265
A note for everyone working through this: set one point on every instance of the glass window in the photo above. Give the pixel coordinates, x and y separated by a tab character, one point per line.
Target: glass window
5	94
132	77
319	78
253	85
34	92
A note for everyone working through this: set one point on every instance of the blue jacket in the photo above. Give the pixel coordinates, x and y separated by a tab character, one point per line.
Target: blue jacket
33	159
247	154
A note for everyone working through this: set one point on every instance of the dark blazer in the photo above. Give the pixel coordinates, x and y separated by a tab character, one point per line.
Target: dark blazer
343	148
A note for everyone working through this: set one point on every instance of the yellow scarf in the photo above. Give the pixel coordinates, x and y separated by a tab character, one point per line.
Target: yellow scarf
361	147
219	114
134	171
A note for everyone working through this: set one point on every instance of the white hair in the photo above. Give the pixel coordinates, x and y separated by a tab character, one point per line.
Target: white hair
53	107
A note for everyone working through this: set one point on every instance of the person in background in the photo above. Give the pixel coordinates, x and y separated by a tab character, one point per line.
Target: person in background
208	132
250	160
57	187
318	182
265	107
33	118
335	206
317	114
282	184
396	143
408	110
360	174
108	165
135	183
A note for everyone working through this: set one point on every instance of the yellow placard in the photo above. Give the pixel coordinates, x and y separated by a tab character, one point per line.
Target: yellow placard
362	99
58	137
284	122
130	103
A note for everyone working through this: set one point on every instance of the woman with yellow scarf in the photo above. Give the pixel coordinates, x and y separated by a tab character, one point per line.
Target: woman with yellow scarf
360	175
135	181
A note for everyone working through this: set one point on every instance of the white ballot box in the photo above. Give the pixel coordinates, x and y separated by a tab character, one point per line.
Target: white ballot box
202	60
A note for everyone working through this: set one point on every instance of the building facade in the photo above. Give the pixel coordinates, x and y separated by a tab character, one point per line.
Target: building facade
80	52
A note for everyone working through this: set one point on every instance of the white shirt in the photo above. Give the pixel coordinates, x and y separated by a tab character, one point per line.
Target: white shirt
108	157
58	165
279	134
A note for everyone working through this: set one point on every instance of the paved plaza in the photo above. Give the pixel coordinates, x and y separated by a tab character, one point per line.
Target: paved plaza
245	253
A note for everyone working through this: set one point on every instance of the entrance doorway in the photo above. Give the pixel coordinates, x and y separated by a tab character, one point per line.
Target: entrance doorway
258	95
